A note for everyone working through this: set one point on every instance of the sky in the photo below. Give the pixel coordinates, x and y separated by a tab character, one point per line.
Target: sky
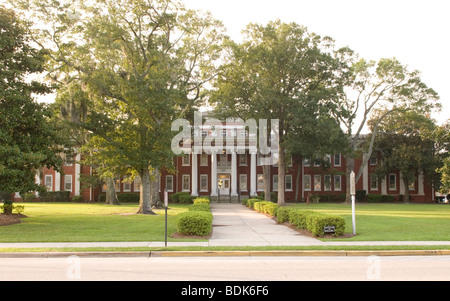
415	32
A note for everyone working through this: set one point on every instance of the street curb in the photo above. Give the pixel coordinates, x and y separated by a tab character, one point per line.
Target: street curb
149	254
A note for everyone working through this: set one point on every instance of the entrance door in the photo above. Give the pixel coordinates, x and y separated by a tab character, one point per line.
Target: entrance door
224	186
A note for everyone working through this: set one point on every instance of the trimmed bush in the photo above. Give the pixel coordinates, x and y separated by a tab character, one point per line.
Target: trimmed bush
175	197
283	214
316	222
195	223
271	208
374	198
77	199
298	217
245	202
200	207
251	202
55	196
186	199
128	197
201	200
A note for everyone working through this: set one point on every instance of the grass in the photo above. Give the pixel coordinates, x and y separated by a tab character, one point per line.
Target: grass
391	222
72	222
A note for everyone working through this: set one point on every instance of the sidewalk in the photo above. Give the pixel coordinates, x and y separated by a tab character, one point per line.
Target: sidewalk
233	225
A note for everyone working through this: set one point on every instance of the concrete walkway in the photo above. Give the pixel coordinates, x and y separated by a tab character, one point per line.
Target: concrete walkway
233	225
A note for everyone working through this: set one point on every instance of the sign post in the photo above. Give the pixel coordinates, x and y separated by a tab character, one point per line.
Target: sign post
166	204
353	194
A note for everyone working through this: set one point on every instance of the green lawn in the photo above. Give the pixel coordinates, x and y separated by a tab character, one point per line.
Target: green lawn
71	222
396	222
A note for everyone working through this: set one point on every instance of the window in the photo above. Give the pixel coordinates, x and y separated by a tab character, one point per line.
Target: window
126	185
337	183
307	182
373	160
68	182
169	183
204	160
337	159
186	160
260	182
204	133
68	161
373	182
186	183
307	162
243	182
275	182
392	181
243	160
117	185
203	182
288	183
327	160
137	184
317	183
327	183
48	181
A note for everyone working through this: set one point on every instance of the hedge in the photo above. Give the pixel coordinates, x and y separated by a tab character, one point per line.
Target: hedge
182	197
195	223
315	223
200	207
201	200
283	214
55	196
298	217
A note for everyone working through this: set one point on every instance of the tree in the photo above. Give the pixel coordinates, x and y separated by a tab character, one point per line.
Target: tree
384	85
405	144
142	64
29	137
282	72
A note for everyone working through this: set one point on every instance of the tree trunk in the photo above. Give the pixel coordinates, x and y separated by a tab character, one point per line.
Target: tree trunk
111	195
155	199
145	194
266	173
281	174
406	196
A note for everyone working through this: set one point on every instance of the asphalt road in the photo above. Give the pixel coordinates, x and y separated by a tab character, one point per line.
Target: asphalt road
357	268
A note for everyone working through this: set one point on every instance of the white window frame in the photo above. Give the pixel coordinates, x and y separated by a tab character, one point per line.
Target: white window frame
49	188
335	181
205	178
327	183
307	182
339	160
171	184
371	181
317	182
66	182
137	184
307	162
260	184
188	158
275	182
286	182
126	185
242	181
186	187
395	182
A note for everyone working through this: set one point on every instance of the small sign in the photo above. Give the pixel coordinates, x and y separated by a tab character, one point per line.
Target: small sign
166	199
329	229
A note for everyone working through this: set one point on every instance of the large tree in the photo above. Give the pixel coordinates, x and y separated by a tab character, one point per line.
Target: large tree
142	64
405	142
384	85
281	71
29	138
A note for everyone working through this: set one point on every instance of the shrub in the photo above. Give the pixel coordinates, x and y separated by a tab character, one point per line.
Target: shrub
283	214
55	196
374	198
128	197
259	206
271	208
200	207
245	202
251	202
7	206
194	223
201	200
175	197
29	197
186	199
19	209
77	198
298	217
388	198
273	196
316	222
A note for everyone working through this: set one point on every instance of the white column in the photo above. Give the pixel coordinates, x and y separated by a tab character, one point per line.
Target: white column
57	181
402	185
213	173
77	175
233	174
253	174
194	174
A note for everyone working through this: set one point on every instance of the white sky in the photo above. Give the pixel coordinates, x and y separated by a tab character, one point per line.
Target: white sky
415	32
